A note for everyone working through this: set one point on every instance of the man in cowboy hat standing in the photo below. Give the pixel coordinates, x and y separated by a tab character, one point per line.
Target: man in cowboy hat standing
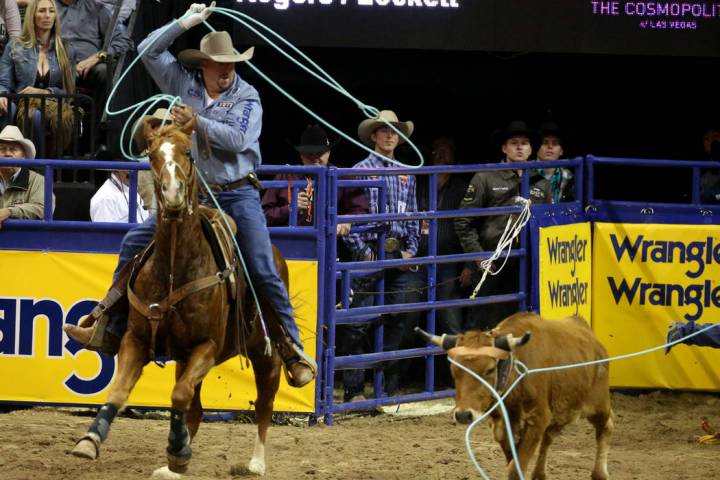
314	150
226	149
21	190
476	234
402	239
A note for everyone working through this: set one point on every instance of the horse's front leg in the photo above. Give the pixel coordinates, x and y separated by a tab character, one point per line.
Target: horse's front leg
201	360
131	359
267	380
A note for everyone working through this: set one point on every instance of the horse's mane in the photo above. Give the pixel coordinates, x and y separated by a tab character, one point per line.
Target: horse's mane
173	134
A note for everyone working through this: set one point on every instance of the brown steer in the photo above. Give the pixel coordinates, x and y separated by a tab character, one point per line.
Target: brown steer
542	403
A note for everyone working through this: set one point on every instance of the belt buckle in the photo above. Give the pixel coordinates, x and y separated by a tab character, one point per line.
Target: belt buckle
255	181
391	245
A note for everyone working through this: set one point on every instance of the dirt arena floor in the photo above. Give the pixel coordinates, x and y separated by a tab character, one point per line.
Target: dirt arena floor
654	439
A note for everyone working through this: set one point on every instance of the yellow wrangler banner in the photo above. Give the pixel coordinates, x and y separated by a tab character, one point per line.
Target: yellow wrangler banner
644	278
40	291
565	271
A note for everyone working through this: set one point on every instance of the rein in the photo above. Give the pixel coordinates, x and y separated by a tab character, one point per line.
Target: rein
158	311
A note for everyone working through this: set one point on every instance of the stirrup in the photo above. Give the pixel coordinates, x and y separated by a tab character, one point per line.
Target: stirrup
101	340
303	359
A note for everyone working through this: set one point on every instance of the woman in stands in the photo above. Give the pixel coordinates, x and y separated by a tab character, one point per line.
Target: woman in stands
38	63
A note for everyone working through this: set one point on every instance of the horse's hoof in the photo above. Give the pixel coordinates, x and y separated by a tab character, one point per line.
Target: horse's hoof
164	473
257	467
178	464
85	448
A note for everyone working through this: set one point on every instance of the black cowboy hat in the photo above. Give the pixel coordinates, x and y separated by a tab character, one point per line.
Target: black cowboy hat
550	128
516	128
314	140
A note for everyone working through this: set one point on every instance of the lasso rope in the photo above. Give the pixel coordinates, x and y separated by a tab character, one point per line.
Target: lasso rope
513	227
149	104
525	372
318	73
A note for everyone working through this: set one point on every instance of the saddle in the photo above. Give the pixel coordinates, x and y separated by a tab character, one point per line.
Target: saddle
221	243
220	239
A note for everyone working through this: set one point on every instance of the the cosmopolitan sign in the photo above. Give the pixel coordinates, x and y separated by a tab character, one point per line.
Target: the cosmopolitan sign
660	15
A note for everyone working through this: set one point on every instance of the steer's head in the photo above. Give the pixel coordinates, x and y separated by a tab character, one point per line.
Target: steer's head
488	354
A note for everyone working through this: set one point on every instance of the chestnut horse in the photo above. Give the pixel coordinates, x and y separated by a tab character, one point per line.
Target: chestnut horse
179	306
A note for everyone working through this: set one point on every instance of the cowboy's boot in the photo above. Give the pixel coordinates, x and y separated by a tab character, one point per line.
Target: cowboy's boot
91	332
300	369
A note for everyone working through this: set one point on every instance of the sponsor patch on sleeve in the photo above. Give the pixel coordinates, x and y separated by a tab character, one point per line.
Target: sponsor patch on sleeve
470	193
536	192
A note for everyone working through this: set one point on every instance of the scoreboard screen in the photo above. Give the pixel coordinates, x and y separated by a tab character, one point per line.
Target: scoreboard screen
678	28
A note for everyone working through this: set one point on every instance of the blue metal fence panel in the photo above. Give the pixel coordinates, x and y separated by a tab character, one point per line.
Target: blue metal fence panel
319	241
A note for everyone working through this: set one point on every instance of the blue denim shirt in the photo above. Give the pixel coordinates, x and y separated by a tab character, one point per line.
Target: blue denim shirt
226	143
18	68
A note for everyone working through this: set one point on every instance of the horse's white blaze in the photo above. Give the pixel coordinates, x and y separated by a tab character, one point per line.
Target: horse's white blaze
167	150
257	462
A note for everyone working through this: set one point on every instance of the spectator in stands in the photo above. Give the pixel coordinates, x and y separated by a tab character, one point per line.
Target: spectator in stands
710	178
85	26
10	22
111	203
551	148
402	285
477	234
314	150
38	63
21	190
126	8
226	114
450	190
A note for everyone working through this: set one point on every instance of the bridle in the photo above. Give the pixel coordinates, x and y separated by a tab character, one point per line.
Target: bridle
156	312
188	179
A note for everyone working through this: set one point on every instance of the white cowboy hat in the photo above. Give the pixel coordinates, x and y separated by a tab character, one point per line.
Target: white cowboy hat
155	119
368	126
215	46
11	133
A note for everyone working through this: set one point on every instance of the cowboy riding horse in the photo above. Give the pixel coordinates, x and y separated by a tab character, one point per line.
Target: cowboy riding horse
188	306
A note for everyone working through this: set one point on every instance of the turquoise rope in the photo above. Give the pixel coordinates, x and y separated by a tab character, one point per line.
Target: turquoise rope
369	111
323	76
522	374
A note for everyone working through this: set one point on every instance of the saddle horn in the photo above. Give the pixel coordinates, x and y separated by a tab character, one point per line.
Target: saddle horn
446	342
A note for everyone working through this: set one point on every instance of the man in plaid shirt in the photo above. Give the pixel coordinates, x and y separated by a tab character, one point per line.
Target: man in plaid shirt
402	285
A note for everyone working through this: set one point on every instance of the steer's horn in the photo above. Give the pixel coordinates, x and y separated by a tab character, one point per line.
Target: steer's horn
446	341
518	341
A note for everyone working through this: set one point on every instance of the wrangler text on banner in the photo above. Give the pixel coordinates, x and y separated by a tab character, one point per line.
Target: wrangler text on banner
644	278
565	271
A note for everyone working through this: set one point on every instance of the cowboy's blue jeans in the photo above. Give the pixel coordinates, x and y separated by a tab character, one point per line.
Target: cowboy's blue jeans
243	205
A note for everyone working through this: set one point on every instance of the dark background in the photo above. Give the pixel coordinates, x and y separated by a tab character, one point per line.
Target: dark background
533	60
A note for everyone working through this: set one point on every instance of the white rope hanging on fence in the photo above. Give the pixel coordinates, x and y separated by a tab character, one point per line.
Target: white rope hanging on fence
512	229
